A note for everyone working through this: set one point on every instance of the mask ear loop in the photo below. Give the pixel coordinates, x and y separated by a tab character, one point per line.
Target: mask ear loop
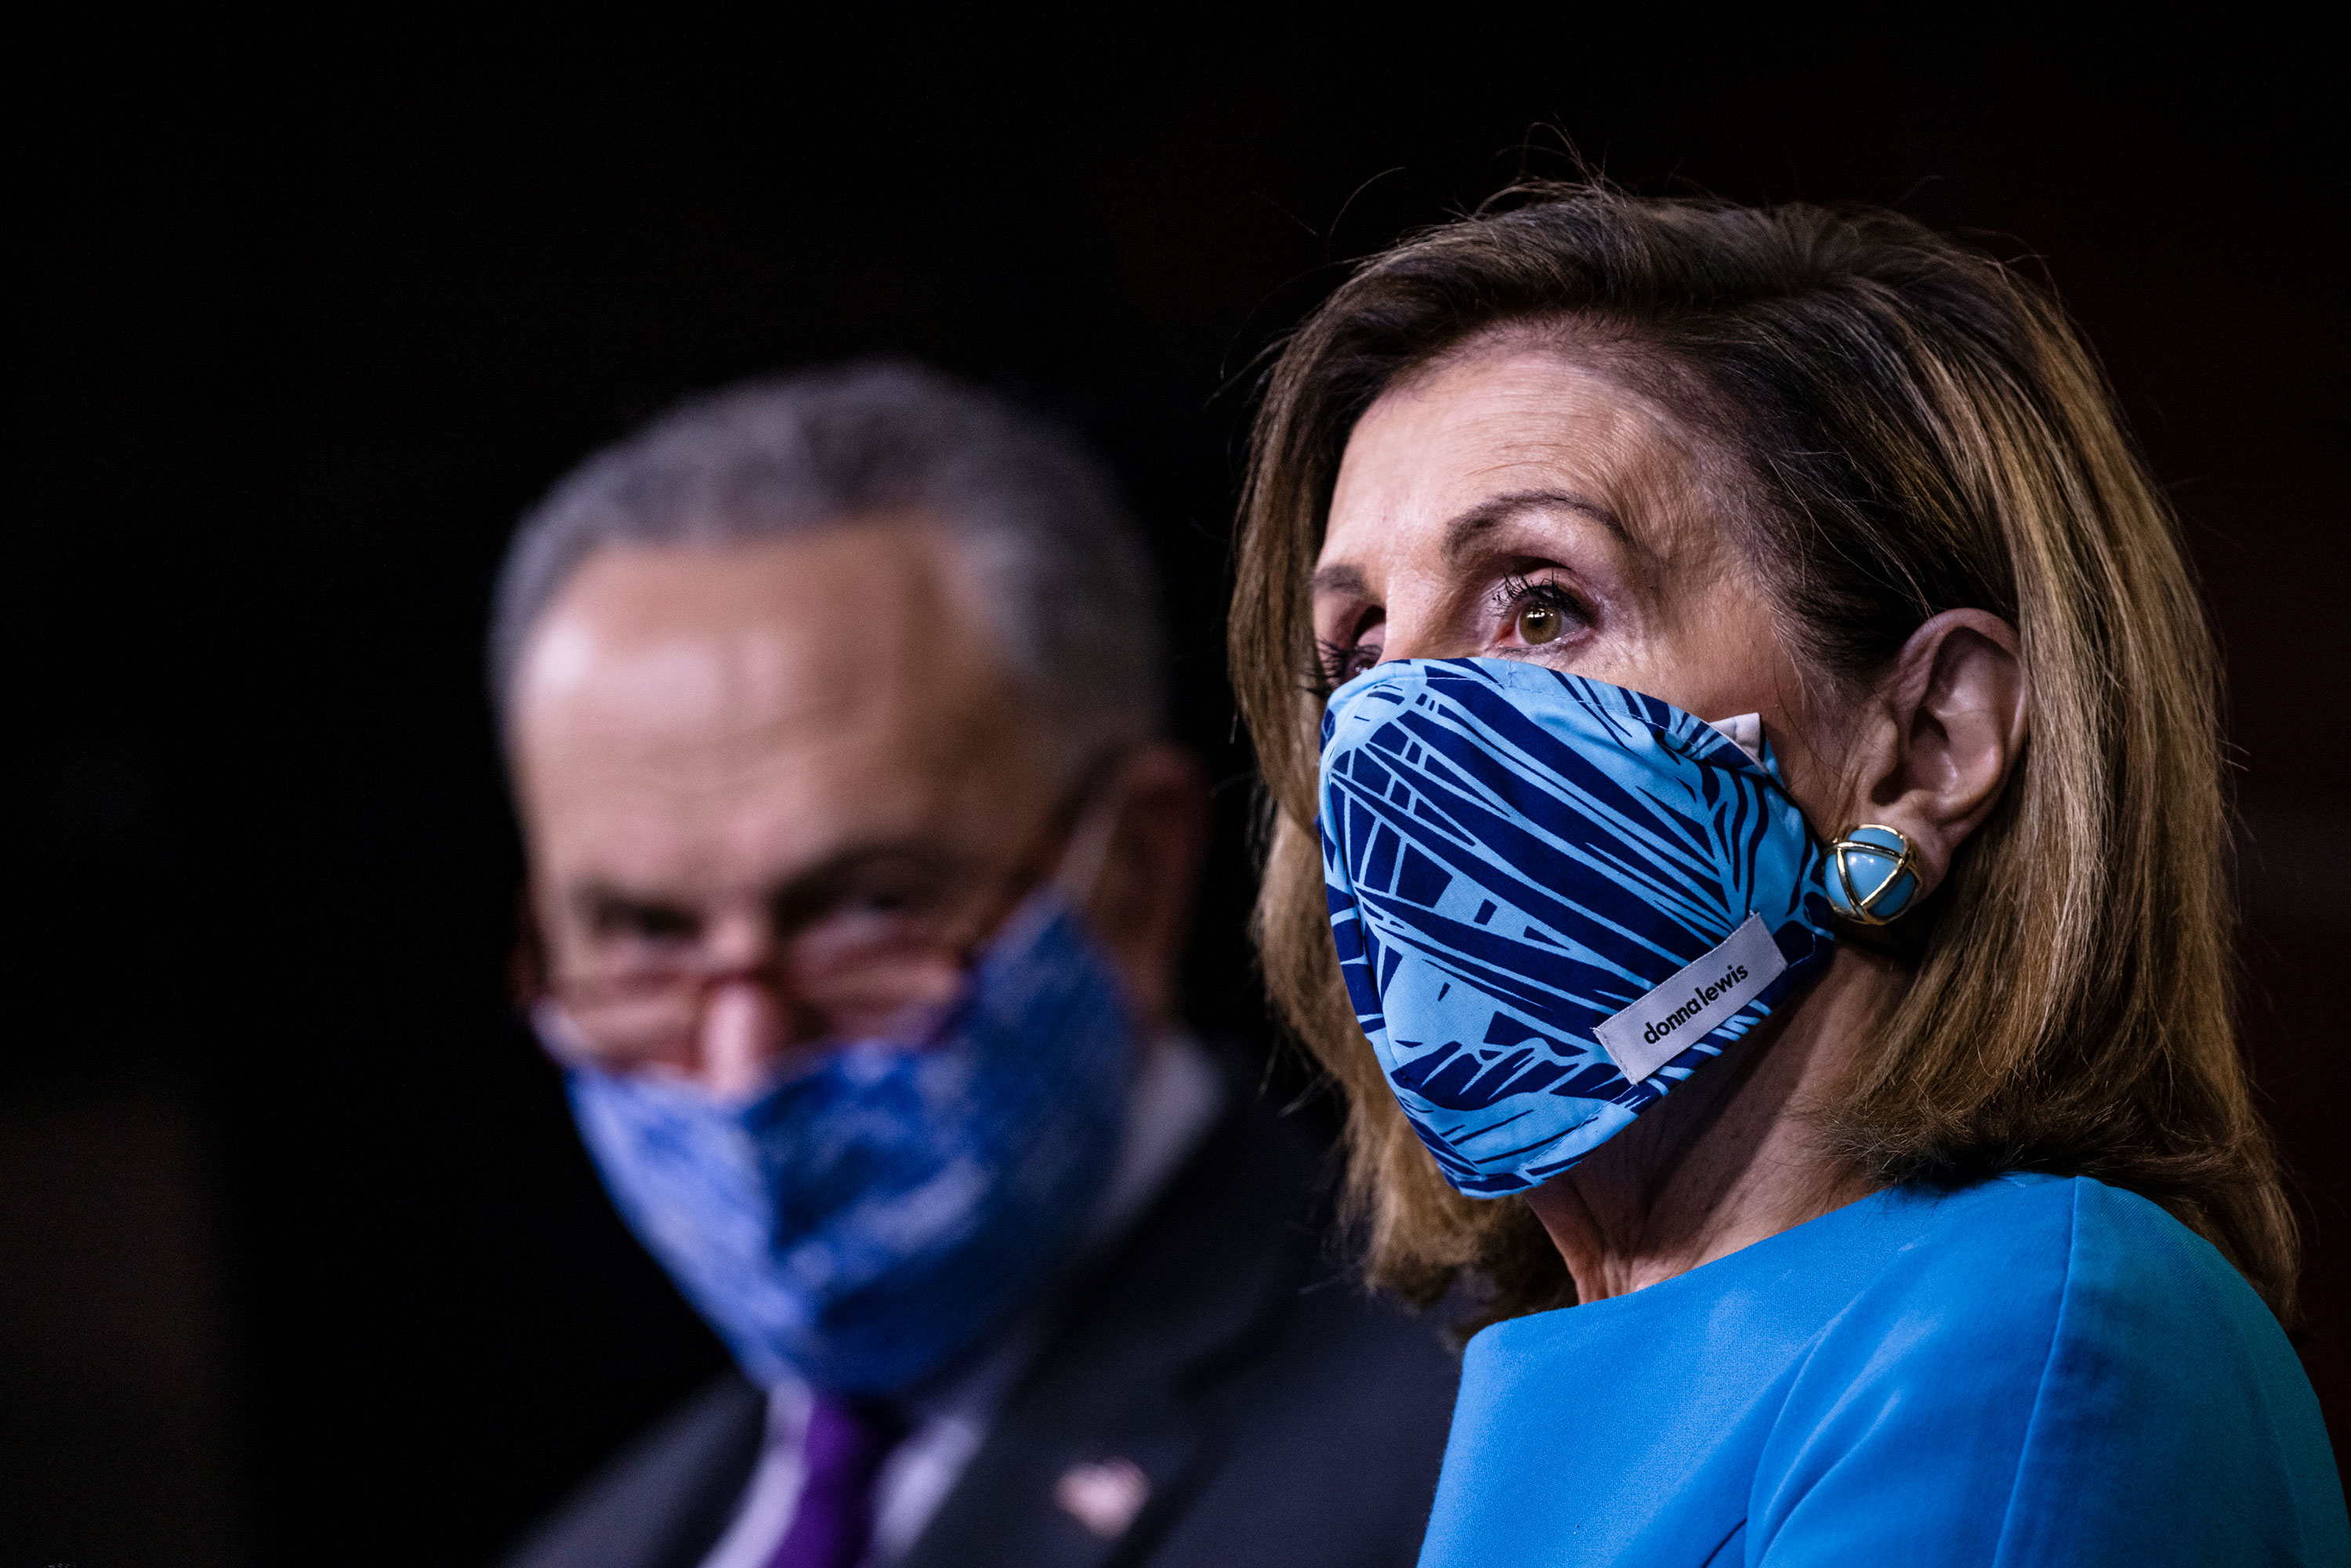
1079	872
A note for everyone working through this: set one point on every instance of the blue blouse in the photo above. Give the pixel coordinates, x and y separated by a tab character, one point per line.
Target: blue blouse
2033	1370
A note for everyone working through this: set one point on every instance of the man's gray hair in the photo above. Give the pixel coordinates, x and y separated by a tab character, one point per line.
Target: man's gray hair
1056	560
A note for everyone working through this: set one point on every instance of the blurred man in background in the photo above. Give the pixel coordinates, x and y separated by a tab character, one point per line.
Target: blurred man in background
863	873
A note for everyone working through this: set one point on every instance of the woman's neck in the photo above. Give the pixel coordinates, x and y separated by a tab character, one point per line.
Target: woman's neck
1730	1157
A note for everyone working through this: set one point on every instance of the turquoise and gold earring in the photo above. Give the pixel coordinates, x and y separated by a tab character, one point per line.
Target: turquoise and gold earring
1879	859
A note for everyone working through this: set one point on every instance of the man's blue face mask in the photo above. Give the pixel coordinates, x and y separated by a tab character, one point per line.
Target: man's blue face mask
1553	900
868	1219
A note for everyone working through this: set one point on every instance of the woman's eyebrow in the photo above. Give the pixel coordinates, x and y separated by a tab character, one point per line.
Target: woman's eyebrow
1339	578
1462	532
1495	510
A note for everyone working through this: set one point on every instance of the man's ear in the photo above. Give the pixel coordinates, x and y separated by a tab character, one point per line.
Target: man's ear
1943	735
1141	903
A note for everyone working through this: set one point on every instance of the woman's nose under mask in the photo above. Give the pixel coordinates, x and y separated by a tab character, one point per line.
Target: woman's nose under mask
1553	900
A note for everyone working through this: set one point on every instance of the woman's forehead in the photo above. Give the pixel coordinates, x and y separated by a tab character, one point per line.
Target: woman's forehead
1515	420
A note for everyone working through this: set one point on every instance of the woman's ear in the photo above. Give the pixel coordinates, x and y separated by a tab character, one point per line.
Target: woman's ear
1947	726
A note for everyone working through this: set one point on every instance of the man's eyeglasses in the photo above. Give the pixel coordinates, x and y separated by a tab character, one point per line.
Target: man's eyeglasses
876	946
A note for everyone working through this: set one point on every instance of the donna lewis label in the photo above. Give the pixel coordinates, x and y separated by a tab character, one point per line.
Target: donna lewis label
1677	1014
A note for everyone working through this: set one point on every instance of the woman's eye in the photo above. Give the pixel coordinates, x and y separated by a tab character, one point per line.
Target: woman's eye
1539	613
1540	623
1337	665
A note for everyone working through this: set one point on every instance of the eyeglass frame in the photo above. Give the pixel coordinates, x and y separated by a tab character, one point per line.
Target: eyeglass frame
1079	826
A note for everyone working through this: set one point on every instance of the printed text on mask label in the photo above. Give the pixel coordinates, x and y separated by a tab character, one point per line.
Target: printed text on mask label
1679	1013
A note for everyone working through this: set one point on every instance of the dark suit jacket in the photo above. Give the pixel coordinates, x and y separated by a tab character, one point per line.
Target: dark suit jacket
1282	1418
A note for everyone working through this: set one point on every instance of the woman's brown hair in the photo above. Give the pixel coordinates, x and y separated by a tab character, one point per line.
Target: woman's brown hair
1919	429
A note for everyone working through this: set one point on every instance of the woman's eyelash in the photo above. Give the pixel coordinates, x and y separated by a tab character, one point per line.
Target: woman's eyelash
1516	592
1337	663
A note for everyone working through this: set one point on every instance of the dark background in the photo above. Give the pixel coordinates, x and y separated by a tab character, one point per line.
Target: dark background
299	1261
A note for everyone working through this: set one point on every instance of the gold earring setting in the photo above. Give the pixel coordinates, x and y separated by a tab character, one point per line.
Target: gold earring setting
1874	876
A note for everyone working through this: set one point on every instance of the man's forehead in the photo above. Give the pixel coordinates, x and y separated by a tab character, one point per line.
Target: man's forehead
812	627
842	672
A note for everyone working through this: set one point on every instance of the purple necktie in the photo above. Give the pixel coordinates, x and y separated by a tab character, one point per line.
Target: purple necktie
847	1441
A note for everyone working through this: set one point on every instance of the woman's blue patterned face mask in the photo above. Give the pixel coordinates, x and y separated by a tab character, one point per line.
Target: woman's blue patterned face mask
866	1220
1553	900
